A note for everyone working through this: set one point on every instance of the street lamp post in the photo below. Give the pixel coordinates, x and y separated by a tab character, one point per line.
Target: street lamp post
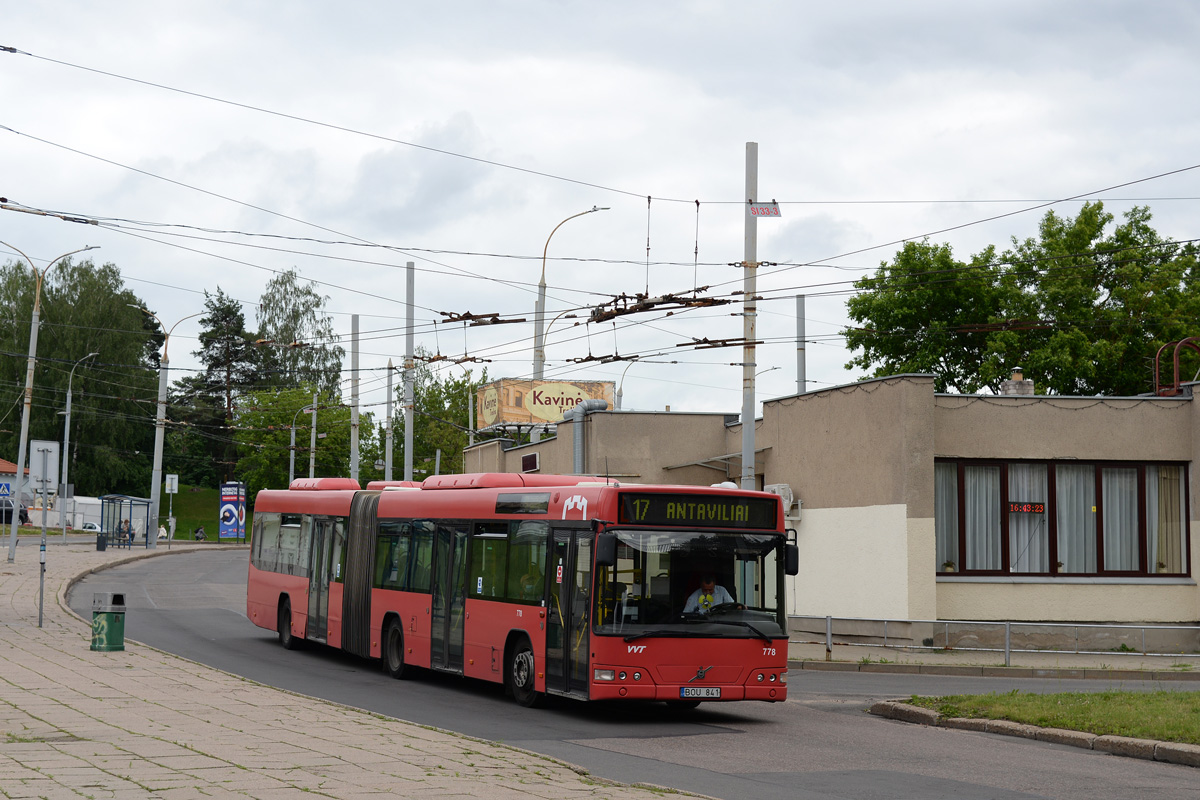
159	429
292	448
66	454
539	344
33	336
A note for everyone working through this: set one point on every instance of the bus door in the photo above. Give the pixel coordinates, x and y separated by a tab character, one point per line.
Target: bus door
449	596
569	571
319	574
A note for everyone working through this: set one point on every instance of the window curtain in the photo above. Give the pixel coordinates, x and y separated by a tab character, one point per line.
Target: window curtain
982	517
1028	534
945	513
1075	490
1119	487
1164	519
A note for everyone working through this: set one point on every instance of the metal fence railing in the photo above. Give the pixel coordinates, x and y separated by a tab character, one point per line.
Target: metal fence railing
1174	641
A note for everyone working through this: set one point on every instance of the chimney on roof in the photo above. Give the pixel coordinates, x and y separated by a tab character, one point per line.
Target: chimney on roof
1018	384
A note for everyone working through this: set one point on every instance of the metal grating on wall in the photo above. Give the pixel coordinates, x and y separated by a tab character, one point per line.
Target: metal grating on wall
360	556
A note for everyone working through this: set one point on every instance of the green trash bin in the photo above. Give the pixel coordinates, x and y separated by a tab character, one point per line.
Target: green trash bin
101	540
108	621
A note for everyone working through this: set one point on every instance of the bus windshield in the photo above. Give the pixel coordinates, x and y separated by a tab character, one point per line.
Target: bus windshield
657	572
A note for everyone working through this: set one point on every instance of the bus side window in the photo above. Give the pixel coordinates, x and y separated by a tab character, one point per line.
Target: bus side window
420	557
489	555
526	579
391	555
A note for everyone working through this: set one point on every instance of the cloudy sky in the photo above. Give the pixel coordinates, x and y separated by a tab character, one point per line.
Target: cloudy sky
458	135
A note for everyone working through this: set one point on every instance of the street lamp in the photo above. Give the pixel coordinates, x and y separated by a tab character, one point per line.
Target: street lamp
159	428
66	454
539	343
33	336
621	383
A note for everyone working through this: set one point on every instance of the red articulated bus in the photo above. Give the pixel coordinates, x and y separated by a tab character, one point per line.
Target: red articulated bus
549	584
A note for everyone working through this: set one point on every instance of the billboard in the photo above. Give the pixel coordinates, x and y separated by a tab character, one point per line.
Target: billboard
232	523
508	401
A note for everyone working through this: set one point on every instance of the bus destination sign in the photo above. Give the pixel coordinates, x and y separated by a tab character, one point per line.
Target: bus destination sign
699	511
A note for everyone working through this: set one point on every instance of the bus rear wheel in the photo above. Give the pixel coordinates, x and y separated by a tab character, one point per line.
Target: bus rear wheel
286	638
393	650
521	676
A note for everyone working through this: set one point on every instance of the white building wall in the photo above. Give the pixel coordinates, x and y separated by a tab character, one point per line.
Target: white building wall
854	562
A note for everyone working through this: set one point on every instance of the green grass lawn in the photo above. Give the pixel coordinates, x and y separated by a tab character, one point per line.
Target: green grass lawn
1164	716
194	506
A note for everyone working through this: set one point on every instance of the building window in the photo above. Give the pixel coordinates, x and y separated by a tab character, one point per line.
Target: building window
1047	518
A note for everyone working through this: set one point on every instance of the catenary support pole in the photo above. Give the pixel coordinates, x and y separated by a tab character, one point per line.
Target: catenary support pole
312	441
749	317
25	411
410	286
387	449
354	397
801	367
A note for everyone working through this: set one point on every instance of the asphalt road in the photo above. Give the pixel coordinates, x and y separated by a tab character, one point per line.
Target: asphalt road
820	744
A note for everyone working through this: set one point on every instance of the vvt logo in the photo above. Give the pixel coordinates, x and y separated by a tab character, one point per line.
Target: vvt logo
576	501
637	648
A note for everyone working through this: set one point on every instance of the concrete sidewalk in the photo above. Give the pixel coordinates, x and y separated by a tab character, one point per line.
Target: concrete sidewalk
142	723
1109	666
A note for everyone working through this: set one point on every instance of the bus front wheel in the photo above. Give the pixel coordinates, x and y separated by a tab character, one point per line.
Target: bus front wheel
521	676
393	650
286	638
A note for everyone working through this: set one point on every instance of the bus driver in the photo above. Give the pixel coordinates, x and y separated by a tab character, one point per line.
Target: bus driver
708	596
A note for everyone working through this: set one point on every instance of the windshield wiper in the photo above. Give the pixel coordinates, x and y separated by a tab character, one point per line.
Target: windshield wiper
668	633
678	633
744	624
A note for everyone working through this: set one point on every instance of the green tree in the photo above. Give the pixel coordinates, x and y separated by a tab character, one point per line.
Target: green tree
203	404
925	312
1083	308
85	308
263	425
441	419
300	346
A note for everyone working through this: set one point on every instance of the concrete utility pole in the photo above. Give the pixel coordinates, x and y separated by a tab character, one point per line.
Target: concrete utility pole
749	317
24	440
354	396
409	389
66	457
801	377
387	450
312	441
160	423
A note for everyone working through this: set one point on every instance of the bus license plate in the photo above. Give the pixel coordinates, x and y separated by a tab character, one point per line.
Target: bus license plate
702	692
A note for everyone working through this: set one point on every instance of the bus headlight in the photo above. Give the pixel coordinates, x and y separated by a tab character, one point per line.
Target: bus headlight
605	675
760	677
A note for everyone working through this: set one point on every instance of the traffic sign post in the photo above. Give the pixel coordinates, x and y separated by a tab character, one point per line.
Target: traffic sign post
172	490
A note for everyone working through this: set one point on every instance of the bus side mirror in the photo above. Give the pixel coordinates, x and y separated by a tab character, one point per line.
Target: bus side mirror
606	550
791	559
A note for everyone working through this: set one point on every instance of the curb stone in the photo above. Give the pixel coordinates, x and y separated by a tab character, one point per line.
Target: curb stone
1178	753
1147	749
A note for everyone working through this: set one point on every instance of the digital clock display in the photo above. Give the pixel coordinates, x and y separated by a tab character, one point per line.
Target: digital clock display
1026	508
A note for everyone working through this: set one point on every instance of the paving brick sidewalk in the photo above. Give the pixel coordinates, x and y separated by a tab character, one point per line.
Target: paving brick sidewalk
141	723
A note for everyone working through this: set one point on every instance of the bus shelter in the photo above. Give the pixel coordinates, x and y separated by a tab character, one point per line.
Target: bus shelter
115	509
